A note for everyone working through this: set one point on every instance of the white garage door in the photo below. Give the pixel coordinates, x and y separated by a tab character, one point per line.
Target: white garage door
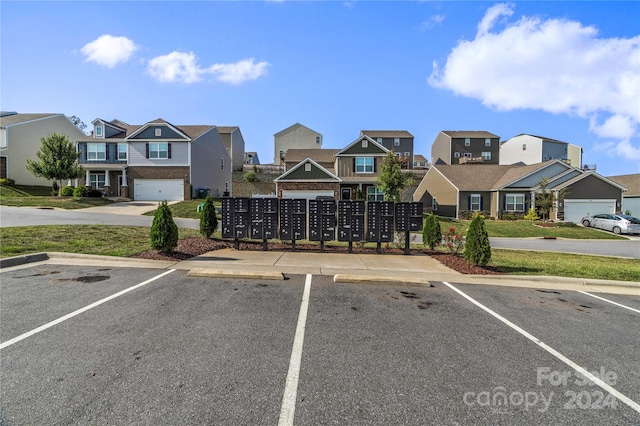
574	210
158	189
309	195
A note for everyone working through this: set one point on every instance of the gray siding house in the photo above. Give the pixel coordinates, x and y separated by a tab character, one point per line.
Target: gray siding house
465	147
398	141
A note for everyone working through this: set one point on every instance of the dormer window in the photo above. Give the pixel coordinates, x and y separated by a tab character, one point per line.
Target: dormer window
158	132
98	132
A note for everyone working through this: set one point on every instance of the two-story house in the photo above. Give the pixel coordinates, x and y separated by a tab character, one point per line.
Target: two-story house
234	143
155	161
465	146
20	136
398	141
294	136
341	174
531	149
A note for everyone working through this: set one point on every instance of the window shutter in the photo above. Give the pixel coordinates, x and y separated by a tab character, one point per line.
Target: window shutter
469	202
354	164
169	149
86	149
147	147
375	169
106	151
481	200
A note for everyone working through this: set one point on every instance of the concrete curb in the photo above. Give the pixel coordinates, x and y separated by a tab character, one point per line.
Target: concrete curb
380	279
84	259
22	260
564	280
224	273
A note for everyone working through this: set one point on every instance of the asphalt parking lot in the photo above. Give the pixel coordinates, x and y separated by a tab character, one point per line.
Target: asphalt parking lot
86	345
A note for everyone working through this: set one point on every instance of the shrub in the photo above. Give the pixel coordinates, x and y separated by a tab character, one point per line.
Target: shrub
431	232
95	193
531	215
250	177
452	241
7	182
164	232
80	191
66	191
55	189
477	249
208	219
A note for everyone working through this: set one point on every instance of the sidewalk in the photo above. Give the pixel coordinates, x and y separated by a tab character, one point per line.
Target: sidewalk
391	269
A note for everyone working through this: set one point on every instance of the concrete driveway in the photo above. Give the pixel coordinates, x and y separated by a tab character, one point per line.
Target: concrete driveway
127	207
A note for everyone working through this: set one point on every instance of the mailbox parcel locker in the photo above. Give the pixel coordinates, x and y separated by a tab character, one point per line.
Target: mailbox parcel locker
380	221
322	220
293	219
351	220
235	217
264	218
408	217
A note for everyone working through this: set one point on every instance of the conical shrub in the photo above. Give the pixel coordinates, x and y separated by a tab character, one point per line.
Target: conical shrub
477	249
208	219
431	232
164	232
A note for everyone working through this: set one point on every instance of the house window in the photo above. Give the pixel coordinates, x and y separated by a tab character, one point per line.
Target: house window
374	194
467	142
364	164
98	131
407	154
456	154
158	150
514	202
365	143
486	156
524	146
317	139
434	204
487	142
222	163
474	202
467	154
158	132
97	180
398	154
307	167
96	151
396	141
122	151
379	140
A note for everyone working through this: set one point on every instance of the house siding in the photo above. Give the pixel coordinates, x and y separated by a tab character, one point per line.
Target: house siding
296	136
165	131
208	154
441	149
434	184
535	178
309	186
314	174
592	187
179	155
345	168
485	202
111	149
476	148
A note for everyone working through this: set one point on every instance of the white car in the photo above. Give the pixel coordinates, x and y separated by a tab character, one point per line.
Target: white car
617	223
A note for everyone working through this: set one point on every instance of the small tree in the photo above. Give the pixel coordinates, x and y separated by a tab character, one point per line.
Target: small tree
208	219
57	160
164	232
546	200
477	249
391	180
431	232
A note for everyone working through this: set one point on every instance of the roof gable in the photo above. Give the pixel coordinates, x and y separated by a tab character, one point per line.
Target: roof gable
631	182
529	176
363	145
12	119
292	127
314	173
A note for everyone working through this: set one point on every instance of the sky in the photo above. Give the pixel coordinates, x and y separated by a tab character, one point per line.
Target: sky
565	70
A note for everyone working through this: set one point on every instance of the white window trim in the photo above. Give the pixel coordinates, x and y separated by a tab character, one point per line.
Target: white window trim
374	194
467	154
158	150
514	202
158	132
396	141
97	151
99	132
434	204
307	167
97	180
467	141
364	165
126	152
456	154
472	202
487	142
486	155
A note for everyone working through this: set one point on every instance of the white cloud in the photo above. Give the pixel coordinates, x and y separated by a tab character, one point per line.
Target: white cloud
554	65
184	68
108	50
432	22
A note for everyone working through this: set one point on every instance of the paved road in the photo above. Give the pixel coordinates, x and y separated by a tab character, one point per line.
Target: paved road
180	350
21	216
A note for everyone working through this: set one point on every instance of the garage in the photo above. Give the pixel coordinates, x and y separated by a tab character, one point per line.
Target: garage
309	195
158	189
574	210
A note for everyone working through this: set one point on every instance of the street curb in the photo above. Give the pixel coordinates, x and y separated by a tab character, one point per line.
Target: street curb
224	273
379	279
565	280
22	260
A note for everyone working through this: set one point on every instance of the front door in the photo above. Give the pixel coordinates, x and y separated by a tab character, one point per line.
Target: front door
346	194
119	185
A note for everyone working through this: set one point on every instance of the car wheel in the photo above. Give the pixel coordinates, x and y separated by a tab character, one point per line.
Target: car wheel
617	230
585	223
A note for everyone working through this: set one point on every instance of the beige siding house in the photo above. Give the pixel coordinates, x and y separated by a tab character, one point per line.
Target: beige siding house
234	143
20	136
295	136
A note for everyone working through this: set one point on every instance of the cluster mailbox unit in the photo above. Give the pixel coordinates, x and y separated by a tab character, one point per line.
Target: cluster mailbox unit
288	219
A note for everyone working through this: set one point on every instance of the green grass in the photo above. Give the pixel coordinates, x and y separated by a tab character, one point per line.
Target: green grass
36	191
528	229
67	203
188	209
87	239
516	262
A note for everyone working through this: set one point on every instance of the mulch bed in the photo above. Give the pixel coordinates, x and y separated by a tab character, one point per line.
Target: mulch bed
196	246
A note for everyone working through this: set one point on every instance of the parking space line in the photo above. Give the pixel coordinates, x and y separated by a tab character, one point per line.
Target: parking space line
628	401
288	407
79	311
609	301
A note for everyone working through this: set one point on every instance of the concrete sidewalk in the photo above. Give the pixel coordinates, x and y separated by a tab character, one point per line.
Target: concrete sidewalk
416	269
127	207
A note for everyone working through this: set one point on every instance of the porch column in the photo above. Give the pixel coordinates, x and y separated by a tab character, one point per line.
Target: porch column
107	181
124	177
87	181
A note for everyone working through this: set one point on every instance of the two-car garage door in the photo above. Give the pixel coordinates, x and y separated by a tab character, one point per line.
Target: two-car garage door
574	210
158	189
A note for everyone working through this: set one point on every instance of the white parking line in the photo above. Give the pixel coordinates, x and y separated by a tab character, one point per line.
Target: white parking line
288	408
79	311
610	301
628	401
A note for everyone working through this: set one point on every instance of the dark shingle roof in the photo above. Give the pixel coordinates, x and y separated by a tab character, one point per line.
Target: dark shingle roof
386	133
318	155
469	134
9	120
631	182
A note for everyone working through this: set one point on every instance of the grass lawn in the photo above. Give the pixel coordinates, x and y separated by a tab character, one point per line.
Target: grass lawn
129	240
36	196
189	209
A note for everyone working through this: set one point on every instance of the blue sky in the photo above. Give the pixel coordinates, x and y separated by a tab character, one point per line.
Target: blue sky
564	70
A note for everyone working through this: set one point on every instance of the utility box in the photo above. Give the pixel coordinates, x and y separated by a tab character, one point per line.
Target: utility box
409	217
351	220
264	218
293	219
322	220
380	221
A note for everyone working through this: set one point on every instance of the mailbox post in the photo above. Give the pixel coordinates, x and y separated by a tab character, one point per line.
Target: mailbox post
408	218
322	221
293	220
351	221
380	222
264	219
235	219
